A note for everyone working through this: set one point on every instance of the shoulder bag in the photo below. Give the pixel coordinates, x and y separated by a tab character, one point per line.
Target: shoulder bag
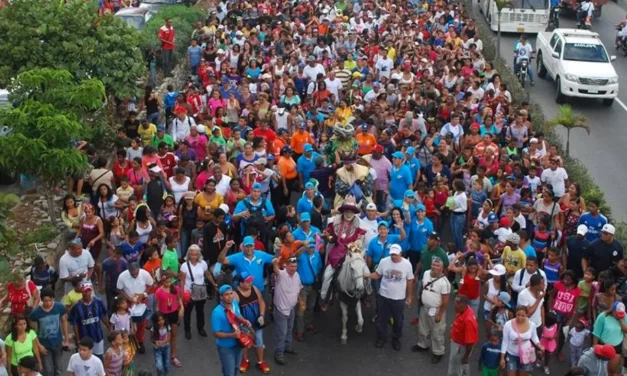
199	291
526	355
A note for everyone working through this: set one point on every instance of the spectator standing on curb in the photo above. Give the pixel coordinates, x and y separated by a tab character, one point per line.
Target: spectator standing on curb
166	37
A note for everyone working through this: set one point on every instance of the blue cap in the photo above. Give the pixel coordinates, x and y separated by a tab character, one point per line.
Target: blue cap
398	155
410	150
308	147
492	218
161	128
248	241
257	186
225	288
410	193
365	126
302	125
270	157
305	217
383	223
310	185
421	207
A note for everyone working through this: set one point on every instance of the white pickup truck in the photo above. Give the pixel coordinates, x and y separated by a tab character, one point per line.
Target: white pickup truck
579	64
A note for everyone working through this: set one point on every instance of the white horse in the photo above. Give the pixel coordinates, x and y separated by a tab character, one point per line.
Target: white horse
351	287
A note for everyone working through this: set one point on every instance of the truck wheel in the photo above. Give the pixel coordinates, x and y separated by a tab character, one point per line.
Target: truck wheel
541	68
608	102
559	97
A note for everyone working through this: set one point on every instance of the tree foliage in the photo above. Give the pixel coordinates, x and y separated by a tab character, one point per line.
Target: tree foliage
570	120
49	116
69	35
183	20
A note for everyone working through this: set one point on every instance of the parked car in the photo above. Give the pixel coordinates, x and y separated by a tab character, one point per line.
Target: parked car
135	17
155	5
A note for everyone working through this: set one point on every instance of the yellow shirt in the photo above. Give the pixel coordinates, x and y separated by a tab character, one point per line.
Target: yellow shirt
350	65
146	134
72	298
124	194
392	53
513	260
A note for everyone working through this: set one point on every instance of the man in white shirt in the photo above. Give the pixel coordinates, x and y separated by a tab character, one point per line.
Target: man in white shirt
286	292
75	265
434	297
533	298
523	51
181	125
384	65
556	176
397	288
369	223
134	285
84	363
313	68
334	85
522	276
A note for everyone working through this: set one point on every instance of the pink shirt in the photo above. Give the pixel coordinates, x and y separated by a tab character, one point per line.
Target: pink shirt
382	167
199	145
167	302
565	299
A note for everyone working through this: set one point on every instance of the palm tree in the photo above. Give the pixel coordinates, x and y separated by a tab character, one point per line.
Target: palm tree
500	5
568	119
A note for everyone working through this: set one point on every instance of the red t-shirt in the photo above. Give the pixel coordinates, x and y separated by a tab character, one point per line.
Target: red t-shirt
465	330
20	298
565	299
267	134
167	34
168	162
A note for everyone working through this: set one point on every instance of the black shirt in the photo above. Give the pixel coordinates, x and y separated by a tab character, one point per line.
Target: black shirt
317	218
212	243
131	128
602	256
576	249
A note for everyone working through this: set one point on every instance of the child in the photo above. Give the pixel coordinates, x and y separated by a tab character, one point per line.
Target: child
121	317
85	360
197	233
170	258
132	248
549	339
595	359
451	253
114	357
125	191
501	312
153	264
583	303
116	234
552	268
577	336
431	211
129	354
161	342
173	226
525	244
73	296
168	209
489	360
477	197
42	274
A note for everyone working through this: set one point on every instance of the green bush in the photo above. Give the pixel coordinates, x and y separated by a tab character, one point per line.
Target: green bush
42	234
577	172
183	20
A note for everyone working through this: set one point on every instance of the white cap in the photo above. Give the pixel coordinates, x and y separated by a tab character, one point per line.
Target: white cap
533	140
609	229
221	51
155	169
498	270
582	230
200	128
239	33
395	249
371	206
224	207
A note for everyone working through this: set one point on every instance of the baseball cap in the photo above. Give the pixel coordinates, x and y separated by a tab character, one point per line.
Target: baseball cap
395	249
308	147
605	351
371	206
492	218
582	230
608	228
87	286
410	193
503	222
310	185
248	241
421	207
513	238
498	270
257	186
261	161
434	235
224	289
378	148
305	217
505	297
245	277
398	155
410	150
155	169
619	309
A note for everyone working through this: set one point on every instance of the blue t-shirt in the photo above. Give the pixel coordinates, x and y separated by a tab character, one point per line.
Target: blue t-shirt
306	165
530	251
414	166
418	234
112	269
253	267
220	323
194	54
131	252
377	250
301	235
400	181
169	99
490	355
88	319
309	266
304	205
49	324
594	224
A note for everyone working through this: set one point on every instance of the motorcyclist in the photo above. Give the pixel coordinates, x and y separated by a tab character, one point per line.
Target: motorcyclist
622	32
586	9
523	50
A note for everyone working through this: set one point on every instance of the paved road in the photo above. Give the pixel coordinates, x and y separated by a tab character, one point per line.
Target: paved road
603	151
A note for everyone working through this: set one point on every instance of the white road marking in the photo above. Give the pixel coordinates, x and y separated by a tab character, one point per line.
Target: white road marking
621	104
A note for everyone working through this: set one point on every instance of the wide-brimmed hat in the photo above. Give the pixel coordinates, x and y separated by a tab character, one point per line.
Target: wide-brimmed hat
349	204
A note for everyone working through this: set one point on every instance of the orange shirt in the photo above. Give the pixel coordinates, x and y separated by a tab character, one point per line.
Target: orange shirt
366	142
151	266
287	252
277	145
287	168
299	140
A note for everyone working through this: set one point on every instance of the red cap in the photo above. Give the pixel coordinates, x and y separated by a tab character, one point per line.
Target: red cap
605	351
378	148
181	110
504	222
475	125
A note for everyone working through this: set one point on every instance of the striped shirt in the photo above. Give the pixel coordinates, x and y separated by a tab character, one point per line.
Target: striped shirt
343	75
87	318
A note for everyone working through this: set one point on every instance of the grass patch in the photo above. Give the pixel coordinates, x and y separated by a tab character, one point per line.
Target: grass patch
42	234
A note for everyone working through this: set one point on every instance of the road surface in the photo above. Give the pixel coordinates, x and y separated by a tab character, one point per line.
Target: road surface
603	152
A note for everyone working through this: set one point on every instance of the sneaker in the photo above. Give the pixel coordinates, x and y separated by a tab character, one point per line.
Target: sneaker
244	365
279	359
263	366
532	83
547	371
177	363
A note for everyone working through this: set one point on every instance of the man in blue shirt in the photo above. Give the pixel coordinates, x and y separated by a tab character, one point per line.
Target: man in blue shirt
254	211
413	163
249	260
379	247
305	230
305	164
51	318
421	227
87	316
400	177
309	266
305	203
194	54
229	349
594	220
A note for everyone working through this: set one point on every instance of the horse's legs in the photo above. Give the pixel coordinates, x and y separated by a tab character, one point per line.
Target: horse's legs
344	309
360	317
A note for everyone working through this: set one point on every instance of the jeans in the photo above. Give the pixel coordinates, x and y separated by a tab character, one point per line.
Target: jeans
230	357
162	359
52	361
380	201
200	315
474	304
305	310
458	222
167	61
153	118
186	240
386	309
529	71
283	328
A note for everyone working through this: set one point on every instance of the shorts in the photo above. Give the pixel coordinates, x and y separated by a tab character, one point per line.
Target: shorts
172	318
259	338
513	364
485	371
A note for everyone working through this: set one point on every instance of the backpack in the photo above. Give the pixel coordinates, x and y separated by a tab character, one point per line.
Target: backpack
256	219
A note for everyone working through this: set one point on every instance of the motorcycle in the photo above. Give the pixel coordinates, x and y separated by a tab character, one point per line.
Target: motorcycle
523	71
586	23
621	41
554	18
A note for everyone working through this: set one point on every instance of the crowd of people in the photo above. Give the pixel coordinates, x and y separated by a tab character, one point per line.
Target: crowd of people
311	134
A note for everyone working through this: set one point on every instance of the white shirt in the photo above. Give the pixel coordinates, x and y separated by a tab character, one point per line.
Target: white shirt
312	72
181	128
557	179
223	185
431	296
523	52
334	87
461	202
198	271
526	298
179	189
72	266
520	284
371	227
502	233
394	277
134	286
511	338
384	67
90	367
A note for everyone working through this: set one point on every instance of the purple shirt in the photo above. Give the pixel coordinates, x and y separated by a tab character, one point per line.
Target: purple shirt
382	167
508	201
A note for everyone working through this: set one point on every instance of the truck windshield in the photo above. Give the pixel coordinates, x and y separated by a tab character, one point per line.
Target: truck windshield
530	4
594	53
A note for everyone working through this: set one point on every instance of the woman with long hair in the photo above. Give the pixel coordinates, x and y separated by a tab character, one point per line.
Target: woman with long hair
21	342
91	233
71	214
143	222
208	200
193	272
518	335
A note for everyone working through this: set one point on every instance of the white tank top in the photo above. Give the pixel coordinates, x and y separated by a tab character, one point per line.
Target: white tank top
143	232
179	189
492	293
281	120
